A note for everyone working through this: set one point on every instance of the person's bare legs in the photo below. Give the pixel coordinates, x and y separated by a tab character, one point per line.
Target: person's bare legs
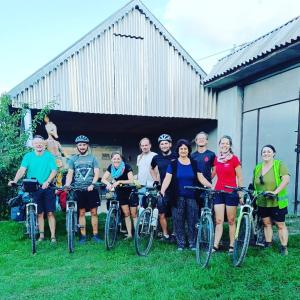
82	221
41	223
52	224
94	220
219	217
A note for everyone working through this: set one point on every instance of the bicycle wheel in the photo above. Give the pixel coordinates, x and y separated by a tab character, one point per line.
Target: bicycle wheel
111	227
241	242
205	240
32	230
143	236
70	229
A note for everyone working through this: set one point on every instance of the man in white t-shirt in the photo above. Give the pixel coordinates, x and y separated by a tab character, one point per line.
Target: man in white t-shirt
144	163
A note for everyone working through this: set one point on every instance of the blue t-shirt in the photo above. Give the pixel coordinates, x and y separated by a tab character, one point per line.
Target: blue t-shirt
185	176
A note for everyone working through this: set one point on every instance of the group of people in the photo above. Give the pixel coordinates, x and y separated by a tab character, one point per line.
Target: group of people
172	169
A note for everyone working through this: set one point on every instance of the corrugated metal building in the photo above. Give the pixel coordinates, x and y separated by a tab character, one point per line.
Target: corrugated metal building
131	77
258	88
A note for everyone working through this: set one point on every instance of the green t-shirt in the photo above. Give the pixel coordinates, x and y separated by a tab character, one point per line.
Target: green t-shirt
269	185
39	166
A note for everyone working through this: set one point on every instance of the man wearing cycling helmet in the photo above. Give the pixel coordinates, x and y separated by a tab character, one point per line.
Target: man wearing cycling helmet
159	165
84	170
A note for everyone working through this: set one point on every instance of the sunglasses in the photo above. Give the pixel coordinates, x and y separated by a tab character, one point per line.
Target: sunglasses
261	179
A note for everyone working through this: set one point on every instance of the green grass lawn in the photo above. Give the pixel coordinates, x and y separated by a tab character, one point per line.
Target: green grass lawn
94	273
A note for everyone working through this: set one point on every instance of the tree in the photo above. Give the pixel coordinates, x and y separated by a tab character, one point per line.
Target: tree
13	144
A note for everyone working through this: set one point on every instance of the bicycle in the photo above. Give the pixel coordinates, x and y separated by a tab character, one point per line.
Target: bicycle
113	218
72	226
248	221
30	186
205	227
147	221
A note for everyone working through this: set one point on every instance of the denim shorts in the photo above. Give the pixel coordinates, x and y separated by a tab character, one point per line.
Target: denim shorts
231	199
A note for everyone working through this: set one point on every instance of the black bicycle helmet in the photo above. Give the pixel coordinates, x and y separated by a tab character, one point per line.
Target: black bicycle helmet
82	139
164	137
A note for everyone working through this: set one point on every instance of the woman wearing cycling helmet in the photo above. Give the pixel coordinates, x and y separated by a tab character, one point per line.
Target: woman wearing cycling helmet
180	173
228	173
121	173
271	176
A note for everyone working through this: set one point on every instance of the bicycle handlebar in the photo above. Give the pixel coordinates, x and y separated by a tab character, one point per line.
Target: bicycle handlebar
205	189
251	192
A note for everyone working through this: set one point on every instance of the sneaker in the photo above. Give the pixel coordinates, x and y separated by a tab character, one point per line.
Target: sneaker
283	250
230	250
127	238
96	239
179	249
165	238
192	248
53	241
82	239
267	245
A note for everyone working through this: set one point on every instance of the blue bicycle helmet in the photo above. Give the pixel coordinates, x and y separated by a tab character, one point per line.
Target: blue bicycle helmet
82	139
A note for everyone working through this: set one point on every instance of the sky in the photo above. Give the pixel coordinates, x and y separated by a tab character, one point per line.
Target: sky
33	32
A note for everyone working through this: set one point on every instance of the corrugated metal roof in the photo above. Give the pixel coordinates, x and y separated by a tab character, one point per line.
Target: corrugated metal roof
128	65
277	39
97	32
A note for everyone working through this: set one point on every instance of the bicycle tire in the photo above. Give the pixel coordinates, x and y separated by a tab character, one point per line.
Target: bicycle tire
111	228
143	236
70	230
241	242
32	230
205	240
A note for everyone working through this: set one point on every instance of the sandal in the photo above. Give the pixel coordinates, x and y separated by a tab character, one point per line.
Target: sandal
41	239
53	240
230	250
215	249
128	238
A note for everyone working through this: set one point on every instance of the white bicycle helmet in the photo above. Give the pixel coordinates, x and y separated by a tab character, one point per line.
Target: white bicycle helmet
82	139
164	137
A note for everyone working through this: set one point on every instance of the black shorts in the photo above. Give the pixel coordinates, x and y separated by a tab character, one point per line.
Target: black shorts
45	200
125	197
275	213
231	199
87	200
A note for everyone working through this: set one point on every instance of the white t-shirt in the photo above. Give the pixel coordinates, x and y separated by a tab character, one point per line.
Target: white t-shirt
143	163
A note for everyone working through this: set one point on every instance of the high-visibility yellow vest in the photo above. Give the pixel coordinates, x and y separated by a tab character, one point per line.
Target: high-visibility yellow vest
282	195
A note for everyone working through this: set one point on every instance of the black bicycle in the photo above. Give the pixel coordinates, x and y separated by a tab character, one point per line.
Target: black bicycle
248	224
147	221
205	227
31	222
72	225
113	218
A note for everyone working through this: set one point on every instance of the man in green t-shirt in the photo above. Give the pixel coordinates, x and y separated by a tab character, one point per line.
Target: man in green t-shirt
40	164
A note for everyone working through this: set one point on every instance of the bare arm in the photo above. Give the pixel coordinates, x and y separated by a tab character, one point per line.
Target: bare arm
20	173
285	181
69	177
155	174
95	179
239	176
203	180
49	179
166	183
213	172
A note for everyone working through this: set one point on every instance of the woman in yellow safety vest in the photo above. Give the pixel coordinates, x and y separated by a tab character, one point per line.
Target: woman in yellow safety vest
271	176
